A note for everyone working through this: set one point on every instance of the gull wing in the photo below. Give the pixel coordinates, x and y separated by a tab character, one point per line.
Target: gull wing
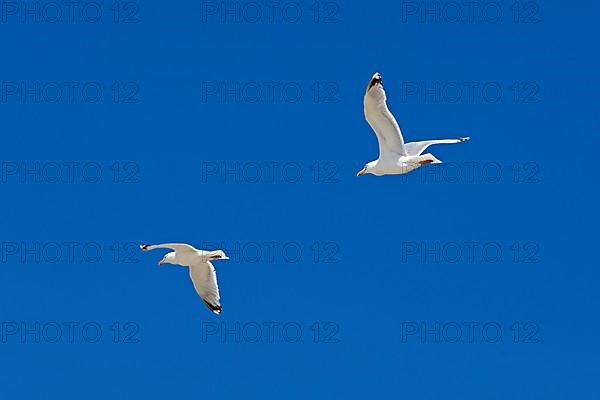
182	247
204	277
416	148
381	119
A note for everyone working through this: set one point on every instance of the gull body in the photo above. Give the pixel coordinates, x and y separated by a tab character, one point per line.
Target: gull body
202	272
395	156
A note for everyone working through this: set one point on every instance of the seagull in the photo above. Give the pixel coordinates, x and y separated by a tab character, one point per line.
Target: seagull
202	271
395	156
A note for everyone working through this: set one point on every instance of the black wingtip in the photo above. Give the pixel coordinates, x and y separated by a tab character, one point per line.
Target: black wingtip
464	139
144	246
216	308
376	79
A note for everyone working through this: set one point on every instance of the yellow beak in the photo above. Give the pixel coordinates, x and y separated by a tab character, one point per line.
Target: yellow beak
361	172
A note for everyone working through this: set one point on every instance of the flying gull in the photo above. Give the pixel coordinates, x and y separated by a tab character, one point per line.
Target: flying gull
395	156
202	271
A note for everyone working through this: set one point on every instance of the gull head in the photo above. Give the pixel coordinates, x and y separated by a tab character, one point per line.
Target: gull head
368	169
169	258
217	255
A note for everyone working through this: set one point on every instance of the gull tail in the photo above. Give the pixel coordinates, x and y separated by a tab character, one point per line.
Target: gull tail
428	158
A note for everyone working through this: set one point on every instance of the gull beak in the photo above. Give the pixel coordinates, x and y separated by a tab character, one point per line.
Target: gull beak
361	172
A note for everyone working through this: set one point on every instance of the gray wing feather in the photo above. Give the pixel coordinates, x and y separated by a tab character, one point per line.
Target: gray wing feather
417	148
204	277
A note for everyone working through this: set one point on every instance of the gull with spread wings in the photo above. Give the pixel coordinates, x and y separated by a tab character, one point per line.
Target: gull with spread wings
201	269
395	156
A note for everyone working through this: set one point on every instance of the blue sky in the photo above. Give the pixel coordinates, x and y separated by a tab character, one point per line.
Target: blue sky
239	125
